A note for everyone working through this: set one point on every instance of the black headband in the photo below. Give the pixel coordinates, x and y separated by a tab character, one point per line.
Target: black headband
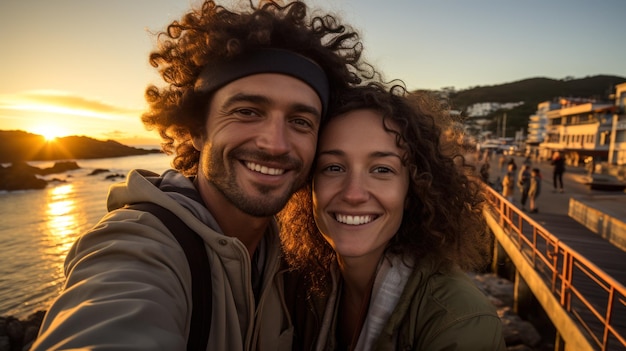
215	76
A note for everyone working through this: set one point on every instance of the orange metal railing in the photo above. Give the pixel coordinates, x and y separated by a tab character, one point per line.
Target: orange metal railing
593	298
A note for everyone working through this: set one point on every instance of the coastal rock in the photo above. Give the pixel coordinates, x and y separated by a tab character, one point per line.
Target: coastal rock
518	331
498	289
98	171
519	335
59	167
114	176
22	176
19	335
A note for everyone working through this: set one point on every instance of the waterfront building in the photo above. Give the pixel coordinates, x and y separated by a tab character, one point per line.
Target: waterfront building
582	132
537	126
483	109
586	131
617	146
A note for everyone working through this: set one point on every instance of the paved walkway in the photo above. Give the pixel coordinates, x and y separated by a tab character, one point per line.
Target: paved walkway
552	202
553	215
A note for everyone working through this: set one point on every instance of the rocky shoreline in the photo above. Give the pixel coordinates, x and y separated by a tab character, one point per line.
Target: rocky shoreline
22	146
520	335
18	148
18	334
22	176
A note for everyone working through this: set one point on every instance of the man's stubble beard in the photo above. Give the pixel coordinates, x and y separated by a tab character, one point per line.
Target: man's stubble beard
224	179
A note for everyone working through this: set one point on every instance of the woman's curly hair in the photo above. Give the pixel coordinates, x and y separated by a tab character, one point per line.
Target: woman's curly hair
212	34
443	217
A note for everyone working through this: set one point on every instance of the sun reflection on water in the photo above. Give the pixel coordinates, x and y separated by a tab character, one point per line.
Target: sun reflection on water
61	217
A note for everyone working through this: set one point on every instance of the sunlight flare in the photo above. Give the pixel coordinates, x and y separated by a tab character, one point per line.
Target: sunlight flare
50	132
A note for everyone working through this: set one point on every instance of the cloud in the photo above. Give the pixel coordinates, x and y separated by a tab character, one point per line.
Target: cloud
63	103
117	134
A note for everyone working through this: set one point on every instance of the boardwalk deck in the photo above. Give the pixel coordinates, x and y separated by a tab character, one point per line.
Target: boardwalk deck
600	252
553	209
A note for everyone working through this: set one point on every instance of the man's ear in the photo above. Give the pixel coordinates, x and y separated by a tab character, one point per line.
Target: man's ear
197	141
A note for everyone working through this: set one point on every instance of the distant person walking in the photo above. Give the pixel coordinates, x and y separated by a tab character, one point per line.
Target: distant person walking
501	163
508	183
534	189
512	164
523	181
557	174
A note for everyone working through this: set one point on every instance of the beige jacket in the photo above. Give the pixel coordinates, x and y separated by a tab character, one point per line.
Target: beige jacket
129	286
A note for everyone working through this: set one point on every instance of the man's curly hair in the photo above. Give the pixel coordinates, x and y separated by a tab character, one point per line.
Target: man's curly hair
211	34
443	217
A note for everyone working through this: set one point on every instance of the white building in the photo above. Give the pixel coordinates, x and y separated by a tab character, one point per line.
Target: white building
617	146
579	131
482	109
538	121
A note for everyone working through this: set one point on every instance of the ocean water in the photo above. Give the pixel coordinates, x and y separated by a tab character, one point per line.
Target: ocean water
38	227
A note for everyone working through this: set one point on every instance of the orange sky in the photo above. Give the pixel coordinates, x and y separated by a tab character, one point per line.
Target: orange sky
55	114
81	67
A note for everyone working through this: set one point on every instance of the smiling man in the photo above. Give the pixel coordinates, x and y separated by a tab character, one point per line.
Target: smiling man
256	150
245	95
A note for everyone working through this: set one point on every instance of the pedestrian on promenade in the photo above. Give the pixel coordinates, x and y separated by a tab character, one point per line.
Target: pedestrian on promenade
534	189
245	91
523	182
384	241
501	164
512	164
508	183
558	162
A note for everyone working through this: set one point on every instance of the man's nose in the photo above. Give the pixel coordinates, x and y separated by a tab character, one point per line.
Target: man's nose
274	137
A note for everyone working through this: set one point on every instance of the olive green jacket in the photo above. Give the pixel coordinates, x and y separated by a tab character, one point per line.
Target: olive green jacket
438	310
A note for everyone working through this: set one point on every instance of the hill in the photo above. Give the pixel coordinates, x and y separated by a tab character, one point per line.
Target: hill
533	91
22	146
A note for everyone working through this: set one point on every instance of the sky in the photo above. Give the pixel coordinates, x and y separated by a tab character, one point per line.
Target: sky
80	67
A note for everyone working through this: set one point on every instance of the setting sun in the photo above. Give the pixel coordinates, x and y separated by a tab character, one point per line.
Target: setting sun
49	132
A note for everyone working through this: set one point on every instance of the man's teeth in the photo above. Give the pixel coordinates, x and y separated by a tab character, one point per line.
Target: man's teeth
353	220
263	169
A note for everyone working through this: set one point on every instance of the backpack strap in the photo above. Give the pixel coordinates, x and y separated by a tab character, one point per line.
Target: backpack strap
201	292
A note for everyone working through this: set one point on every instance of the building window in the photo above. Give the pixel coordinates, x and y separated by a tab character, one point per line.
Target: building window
605	138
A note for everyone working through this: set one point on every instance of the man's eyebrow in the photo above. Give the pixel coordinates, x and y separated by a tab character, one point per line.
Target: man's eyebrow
307	109
262	99
241	97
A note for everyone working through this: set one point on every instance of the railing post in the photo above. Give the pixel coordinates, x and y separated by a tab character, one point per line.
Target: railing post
566	280
607	323
577	329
